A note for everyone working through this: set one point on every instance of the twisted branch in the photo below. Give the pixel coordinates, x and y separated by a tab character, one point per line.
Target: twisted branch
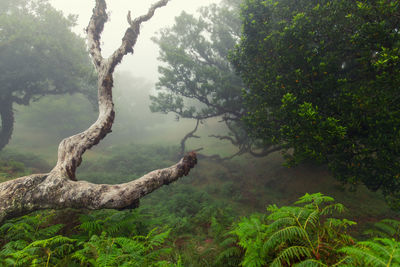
59	188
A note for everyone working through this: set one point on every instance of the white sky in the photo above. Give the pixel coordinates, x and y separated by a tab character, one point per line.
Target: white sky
143	63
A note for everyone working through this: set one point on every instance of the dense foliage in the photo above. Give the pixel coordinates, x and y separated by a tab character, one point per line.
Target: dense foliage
103	238
307	235
39	55
322	77
197	81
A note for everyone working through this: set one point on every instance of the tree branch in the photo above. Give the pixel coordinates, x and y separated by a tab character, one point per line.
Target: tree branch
59	188
94	30
131	34
71	149
187	136
41	191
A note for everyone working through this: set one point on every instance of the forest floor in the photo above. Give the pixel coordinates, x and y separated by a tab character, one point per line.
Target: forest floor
214	195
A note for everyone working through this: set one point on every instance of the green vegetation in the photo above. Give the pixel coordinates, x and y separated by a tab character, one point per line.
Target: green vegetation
105	238
201	214
39	56
306	235
322	79
197	81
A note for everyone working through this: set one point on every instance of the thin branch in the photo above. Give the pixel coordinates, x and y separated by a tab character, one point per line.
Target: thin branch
225	137
94	30
265	152
131	34
187	136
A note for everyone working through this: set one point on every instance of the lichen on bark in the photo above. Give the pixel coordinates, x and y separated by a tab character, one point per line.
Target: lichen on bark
60	189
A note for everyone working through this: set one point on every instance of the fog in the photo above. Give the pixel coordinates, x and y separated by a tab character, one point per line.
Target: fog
143	63
237	174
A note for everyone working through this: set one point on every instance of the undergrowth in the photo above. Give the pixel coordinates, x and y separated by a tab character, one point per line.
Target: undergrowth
195	221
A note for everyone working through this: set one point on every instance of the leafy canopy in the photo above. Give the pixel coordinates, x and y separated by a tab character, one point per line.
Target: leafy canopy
39	55
322	78
197	80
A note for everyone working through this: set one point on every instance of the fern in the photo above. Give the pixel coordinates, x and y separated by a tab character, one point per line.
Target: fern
386	228
45	251
113	222
105	250
30	227
295	234
376	252
286	256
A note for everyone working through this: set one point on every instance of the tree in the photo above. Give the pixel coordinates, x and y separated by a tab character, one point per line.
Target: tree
39	55
59	188
197	81
322	80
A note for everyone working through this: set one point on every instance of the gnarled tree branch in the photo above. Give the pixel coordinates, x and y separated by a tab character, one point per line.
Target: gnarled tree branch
50	191
59	188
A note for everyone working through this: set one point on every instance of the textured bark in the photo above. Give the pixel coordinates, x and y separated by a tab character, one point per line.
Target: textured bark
59	188
44	191
7	122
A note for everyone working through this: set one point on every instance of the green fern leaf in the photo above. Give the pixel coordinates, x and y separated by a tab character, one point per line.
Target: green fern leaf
290	233
291	254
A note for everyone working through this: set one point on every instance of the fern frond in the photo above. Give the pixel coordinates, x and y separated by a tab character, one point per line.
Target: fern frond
377	247
91	227
228	253
290	254
157	240
330	209
386	228
317	198
361	254
286	234
284	212
282	222
228	241
312	219
49	231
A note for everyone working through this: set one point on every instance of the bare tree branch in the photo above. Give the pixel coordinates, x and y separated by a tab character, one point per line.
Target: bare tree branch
71	149
94	30
50	191
131	34
264	152
187	136
59	188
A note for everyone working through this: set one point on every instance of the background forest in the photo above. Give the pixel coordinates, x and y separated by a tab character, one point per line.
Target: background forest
291	107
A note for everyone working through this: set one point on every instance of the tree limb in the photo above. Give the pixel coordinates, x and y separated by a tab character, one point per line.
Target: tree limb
59	188
71	149
94	30
50	191
187	136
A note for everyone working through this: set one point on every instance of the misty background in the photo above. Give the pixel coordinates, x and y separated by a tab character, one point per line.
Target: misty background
199	210
52	119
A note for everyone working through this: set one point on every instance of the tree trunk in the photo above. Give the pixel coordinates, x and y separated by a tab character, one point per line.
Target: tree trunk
59	188
7	122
